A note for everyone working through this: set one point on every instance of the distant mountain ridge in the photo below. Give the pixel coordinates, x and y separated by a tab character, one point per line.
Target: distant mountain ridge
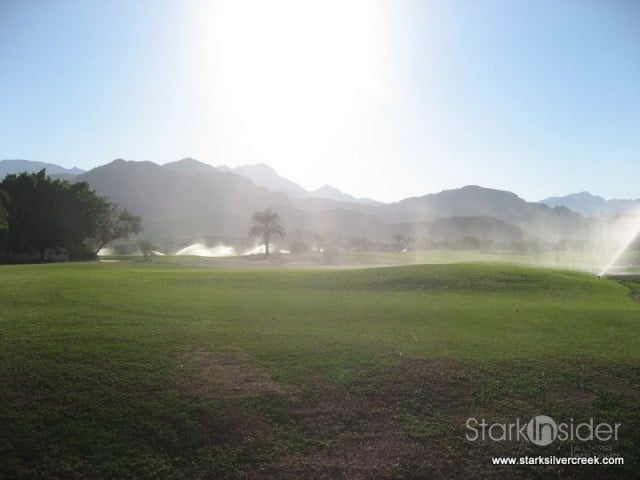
332	193
193	199
8	167
539	220
189	166
591	205
172	203
265	176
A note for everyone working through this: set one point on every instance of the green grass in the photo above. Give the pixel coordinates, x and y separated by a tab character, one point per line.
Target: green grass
160	371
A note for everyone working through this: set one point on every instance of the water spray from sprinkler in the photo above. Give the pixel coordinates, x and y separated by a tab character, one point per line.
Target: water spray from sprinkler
628	242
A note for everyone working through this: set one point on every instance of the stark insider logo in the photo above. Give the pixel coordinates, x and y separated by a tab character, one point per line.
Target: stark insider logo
541	430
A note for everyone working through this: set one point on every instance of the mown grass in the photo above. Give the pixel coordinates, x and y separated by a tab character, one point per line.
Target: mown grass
111	370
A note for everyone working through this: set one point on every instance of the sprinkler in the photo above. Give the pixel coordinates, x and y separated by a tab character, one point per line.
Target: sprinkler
628	242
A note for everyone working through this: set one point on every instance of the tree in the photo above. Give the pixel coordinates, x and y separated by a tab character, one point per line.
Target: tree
114	223
4	199
47	215
147	248
75	216
266	224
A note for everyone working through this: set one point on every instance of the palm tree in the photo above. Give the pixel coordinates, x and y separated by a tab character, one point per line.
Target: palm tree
266	224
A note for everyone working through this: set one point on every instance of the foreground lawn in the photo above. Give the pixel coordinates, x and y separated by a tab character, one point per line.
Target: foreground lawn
161	371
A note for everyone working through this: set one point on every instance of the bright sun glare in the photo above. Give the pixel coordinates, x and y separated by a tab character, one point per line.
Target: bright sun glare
294	72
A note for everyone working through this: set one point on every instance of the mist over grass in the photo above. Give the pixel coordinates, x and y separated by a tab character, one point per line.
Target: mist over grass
627	263
604	246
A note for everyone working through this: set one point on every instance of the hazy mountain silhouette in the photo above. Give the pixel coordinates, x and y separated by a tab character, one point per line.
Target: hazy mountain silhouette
331	193
537	219
192	198
172	203
18	166
190	166
474	232
592	205
173	200
267	177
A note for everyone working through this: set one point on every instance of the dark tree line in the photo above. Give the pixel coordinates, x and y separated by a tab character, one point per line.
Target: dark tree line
44	217
4	199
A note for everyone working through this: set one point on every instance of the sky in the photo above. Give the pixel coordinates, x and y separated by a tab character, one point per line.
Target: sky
380	98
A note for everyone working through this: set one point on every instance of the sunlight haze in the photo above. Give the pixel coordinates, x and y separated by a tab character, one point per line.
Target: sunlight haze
380	99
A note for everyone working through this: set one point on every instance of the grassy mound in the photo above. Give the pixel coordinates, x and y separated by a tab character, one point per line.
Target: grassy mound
159	371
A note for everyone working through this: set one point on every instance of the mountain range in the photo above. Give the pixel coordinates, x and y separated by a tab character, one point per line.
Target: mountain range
191	199
16	166
265	176
592	205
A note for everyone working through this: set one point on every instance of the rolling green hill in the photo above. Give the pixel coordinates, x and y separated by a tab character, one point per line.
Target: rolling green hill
136	370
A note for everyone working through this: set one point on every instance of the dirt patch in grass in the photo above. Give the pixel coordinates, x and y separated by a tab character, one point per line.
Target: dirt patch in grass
403	418
224	375
408	421
387	424
572	396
